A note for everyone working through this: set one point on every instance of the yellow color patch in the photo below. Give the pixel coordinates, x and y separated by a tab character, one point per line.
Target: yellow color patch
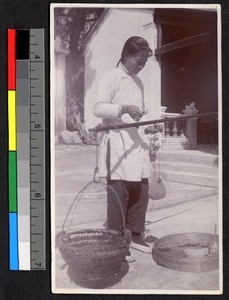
12	120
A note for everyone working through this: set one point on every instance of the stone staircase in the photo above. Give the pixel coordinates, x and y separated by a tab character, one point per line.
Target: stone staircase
189	166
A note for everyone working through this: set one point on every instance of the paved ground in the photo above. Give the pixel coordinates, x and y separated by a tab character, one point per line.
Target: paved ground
186	208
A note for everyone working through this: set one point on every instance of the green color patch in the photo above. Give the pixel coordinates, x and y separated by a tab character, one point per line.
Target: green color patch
12	181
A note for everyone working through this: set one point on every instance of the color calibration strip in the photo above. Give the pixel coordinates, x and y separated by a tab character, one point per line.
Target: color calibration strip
26	110
12	155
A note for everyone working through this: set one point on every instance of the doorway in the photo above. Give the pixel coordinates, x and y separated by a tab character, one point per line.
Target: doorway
187	52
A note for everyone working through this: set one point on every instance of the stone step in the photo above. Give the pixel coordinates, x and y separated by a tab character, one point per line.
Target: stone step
178	166
190	178
189	156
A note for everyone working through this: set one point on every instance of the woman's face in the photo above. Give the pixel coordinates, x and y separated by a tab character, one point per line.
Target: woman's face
135	63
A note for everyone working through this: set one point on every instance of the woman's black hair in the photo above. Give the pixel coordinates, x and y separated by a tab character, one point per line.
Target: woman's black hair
133	45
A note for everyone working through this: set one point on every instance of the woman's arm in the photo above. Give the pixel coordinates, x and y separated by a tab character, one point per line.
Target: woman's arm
104	108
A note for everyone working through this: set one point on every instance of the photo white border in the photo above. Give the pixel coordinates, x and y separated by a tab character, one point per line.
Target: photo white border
56	290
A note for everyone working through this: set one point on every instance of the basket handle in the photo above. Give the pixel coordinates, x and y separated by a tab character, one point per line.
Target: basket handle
77	200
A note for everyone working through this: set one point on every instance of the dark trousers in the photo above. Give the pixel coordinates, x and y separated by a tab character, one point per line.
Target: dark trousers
134	200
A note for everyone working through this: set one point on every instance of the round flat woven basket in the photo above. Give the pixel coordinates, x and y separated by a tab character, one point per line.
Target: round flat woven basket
95	256
189	252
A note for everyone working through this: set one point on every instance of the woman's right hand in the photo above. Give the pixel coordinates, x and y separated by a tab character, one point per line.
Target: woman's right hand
133	111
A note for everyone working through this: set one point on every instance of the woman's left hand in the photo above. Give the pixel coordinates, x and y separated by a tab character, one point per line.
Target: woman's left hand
133	111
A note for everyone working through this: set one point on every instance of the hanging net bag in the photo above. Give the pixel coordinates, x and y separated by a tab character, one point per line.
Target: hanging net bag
157	188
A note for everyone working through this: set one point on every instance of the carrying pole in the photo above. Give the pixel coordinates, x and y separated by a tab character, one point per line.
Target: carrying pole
150	122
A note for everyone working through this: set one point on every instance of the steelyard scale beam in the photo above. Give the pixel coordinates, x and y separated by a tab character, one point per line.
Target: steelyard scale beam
150	122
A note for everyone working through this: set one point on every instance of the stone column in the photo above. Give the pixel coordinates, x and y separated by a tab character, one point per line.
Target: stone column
191	126
163	109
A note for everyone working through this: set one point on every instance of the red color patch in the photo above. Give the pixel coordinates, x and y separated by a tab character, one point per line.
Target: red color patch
11	59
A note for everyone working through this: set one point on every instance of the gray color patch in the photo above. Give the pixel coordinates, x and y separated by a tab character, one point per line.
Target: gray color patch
22	92
24	228
23	173
23	146
24	201
22	69
23	124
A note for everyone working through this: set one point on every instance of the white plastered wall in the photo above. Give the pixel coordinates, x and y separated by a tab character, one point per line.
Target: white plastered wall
103	51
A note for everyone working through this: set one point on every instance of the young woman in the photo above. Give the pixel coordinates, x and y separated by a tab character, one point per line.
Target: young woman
124	157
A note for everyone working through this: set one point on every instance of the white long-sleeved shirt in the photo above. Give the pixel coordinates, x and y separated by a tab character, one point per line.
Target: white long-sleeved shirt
129	155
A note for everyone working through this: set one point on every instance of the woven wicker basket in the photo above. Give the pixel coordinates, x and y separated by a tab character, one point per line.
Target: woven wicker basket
171	252
94	255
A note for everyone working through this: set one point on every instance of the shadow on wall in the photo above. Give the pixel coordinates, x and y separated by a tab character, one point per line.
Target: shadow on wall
74	89
89	72
77	74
